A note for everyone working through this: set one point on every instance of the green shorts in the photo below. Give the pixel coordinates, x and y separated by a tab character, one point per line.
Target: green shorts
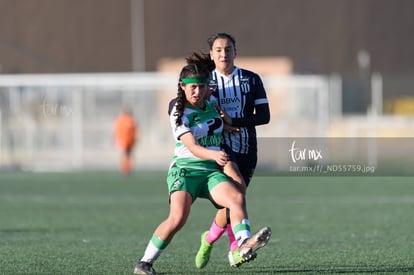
198	183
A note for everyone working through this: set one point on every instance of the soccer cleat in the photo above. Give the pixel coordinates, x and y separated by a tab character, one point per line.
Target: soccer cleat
203	254
251	245
144	268
236	260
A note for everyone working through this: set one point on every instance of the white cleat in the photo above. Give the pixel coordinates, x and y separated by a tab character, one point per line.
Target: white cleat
251	245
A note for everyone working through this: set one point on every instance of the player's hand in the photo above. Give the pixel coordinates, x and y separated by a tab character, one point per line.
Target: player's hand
230	129
221	157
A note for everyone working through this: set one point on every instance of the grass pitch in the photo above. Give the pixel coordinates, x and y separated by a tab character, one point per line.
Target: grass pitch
101	222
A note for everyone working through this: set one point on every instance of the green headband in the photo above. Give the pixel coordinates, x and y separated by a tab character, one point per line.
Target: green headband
188	80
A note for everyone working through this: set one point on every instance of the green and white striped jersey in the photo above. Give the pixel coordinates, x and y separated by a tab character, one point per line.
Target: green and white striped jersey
206	126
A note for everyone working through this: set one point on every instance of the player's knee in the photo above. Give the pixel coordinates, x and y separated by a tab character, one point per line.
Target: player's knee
177	221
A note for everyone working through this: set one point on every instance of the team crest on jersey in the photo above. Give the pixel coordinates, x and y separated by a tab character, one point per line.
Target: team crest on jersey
245	84
177	184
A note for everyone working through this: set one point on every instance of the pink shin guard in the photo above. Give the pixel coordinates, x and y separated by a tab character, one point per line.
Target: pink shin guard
214	233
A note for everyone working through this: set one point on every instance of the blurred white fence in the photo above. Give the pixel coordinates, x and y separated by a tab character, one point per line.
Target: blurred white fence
55	122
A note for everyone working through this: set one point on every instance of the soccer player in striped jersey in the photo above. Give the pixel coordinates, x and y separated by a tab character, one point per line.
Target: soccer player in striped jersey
241	95
195	170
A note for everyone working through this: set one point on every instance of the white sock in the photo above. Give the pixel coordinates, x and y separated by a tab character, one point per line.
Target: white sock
151	253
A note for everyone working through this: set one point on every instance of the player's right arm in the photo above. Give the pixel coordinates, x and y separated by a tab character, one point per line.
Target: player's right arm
220	157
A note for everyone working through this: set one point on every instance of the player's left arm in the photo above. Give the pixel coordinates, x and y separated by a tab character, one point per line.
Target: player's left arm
261	113
260	117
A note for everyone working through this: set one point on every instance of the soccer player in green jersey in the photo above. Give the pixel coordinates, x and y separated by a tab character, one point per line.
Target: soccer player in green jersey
195	169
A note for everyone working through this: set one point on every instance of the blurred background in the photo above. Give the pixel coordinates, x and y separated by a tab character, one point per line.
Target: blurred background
333	70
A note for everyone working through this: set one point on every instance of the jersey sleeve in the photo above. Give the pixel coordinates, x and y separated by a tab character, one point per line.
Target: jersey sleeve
260	96
261	105
171	105
179	130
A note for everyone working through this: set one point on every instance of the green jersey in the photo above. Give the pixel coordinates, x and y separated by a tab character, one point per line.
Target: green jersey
206	126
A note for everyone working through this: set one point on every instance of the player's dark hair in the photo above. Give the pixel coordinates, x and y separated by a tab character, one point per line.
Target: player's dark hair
199	65
202	60
218	35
